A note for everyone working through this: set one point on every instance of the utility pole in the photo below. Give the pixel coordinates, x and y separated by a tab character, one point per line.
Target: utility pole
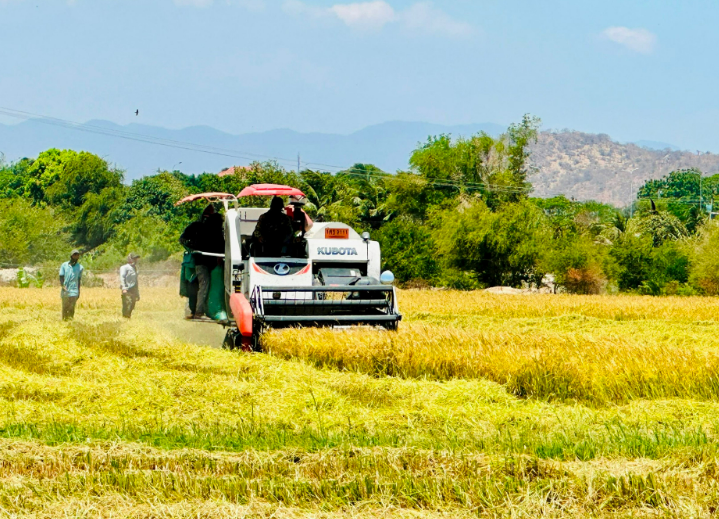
298	162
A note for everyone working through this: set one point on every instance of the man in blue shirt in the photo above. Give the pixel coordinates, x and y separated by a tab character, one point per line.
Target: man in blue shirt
70	279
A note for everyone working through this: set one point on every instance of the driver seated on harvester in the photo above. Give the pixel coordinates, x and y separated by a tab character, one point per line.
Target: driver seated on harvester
301	222
273	232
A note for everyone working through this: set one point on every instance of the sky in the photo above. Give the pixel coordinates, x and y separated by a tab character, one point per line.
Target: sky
636	70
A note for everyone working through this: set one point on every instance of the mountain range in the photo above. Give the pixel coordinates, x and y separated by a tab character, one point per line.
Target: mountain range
580	165
588	166
141	150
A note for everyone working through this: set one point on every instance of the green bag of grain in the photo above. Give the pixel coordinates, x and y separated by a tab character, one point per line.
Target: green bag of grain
216	295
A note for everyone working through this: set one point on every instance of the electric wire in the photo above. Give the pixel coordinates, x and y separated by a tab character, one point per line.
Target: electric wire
147	139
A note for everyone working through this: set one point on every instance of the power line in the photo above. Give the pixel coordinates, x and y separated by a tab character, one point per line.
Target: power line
138	137
211	150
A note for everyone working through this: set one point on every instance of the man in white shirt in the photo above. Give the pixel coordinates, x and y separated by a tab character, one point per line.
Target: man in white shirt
128	284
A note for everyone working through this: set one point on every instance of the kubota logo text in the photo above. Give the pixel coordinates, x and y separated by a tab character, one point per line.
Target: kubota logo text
336	251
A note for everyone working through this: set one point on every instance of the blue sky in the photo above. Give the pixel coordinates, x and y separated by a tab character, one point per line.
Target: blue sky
632	69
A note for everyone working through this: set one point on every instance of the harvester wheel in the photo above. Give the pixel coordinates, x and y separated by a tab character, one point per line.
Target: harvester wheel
256	346
231	338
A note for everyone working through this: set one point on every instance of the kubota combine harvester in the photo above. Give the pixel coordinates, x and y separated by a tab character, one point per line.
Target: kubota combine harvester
328	276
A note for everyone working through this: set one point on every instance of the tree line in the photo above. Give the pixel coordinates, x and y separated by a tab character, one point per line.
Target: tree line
462	216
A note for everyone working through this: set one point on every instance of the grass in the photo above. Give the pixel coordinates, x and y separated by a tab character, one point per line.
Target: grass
481	405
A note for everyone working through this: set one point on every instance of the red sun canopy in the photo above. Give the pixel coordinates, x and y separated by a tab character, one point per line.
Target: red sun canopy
210	197
269	190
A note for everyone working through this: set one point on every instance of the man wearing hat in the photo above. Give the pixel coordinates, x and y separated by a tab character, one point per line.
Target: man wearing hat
301	221
128	284
70	279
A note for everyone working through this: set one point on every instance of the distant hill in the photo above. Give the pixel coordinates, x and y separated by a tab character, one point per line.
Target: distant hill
386	145
580	165
589	166
657	145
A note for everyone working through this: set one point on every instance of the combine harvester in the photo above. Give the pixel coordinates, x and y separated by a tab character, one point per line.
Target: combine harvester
328	277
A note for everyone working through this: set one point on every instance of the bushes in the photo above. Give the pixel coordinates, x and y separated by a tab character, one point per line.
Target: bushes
30	235
704	269
499	248
408	250
461	218
589	280
146	235
576	262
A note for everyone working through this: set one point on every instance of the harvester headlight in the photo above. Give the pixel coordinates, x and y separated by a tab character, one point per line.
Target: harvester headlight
276	295
386	278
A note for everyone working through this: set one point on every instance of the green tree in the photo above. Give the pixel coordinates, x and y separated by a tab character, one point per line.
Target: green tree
505	247
43	172
497	168
368	193
520	137
150	236
157	196
30	235
408	250
79	175
659	226
330	197
14	178
632	255
96	219
704	266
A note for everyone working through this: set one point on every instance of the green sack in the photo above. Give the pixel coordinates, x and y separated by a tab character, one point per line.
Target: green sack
188	275
216	295
188	267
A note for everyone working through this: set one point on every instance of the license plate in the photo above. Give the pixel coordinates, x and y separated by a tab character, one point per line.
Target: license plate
336	234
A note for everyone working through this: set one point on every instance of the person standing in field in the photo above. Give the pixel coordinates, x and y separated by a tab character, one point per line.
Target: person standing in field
196	239
128	285
70	280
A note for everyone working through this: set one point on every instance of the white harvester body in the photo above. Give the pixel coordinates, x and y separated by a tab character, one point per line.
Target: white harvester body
330	276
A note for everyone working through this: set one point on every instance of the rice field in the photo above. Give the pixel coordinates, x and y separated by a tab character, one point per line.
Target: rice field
480	406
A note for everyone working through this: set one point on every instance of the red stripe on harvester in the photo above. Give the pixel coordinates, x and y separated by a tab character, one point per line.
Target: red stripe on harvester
242	312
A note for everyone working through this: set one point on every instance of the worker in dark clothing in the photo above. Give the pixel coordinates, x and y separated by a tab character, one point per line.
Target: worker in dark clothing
205	235
274	229
214	237
300	220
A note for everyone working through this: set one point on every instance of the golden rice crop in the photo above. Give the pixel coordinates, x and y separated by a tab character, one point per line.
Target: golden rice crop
595	367
461	413
451	303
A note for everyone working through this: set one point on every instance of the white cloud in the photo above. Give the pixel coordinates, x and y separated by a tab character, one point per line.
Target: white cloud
365	15
420	17
637	40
